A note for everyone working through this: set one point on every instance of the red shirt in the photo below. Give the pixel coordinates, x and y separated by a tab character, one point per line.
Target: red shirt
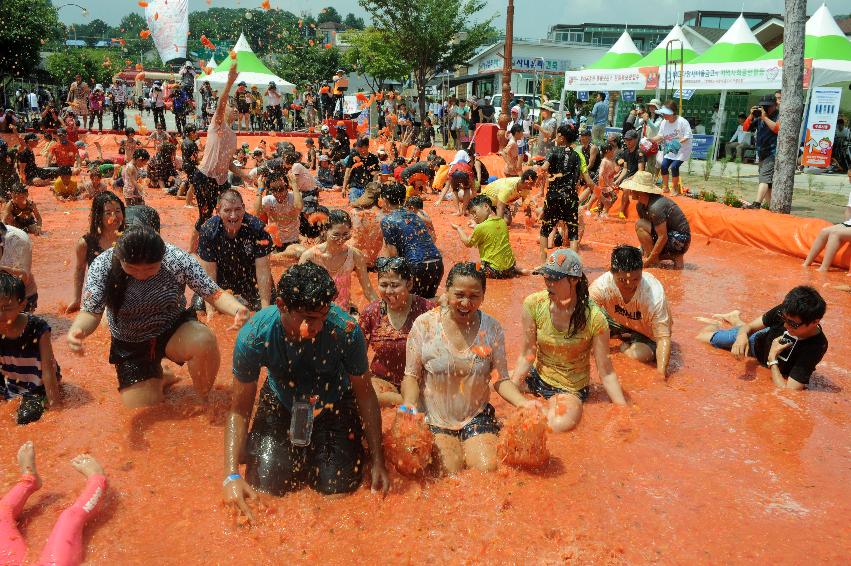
64	154
387	342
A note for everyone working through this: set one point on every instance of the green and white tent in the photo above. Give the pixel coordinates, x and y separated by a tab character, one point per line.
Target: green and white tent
252	71
623	54
738	45
656	58
826	45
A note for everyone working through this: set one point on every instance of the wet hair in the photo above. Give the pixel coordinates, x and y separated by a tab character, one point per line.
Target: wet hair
129	131
466	269
479	200
516	129
96	215
607	147
142	215
167	147
362	142
292	157
529	174
626	258
414	202
229	194
189	129
141	153
460	177
12	287
397	265
306	287
393	193
805	303
339	216
568	133
579	318
138	245
64	171
18	188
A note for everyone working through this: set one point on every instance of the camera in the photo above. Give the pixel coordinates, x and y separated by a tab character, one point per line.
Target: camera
756	112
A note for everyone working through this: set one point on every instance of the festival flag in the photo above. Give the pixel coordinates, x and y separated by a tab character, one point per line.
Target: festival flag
168	21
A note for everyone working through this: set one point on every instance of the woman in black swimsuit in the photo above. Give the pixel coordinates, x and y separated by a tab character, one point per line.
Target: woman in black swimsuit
105	225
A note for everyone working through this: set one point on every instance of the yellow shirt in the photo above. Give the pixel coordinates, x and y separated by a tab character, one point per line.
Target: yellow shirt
60	189
491	237
503	190
563	360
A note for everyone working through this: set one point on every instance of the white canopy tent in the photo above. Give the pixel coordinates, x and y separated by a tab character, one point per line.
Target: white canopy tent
252	71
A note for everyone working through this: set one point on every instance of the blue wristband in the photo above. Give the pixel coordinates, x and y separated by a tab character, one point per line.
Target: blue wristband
407	409
231	478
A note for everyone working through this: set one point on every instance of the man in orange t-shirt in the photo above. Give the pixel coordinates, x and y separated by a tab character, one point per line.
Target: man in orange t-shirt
63	153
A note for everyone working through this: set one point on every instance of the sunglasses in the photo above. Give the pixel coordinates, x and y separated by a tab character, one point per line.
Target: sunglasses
791	323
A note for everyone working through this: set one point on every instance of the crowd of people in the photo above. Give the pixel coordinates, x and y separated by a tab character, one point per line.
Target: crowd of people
317	418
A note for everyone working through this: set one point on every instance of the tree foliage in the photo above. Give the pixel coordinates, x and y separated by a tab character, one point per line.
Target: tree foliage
431	35
329	14
353	22
373	56
24	25
89	63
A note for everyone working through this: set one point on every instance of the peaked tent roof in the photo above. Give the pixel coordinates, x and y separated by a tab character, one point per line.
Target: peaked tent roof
656	58
824	39
251	70
739	44
622	54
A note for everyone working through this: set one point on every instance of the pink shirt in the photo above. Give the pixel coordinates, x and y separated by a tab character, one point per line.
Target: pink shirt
218	154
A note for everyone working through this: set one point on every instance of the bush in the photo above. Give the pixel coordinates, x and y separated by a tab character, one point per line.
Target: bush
732	199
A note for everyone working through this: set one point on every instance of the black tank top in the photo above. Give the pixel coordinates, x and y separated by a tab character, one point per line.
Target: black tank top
586	151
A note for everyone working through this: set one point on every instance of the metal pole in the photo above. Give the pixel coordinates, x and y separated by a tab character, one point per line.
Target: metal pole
507	64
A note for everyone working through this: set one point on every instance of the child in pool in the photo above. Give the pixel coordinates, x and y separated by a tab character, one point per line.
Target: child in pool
341	260
26	356
21	212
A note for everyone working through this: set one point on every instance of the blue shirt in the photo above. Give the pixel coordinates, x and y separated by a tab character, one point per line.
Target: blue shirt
600	113
408	233
301	369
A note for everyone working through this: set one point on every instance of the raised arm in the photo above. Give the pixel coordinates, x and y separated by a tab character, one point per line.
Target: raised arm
219	115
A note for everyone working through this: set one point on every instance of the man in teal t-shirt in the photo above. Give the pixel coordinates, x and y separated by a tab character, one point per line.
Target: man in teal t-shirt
316	359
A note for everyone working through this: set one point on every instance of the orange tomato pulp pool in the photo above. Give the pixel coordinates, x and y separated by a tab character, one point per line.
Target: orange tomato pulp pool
715	449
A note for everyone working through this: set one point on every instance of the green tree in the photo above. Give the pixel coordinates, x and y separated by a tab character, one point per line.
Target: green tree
308	64
373	56
353	22
329	14
431	35
89	63
95	30
26	24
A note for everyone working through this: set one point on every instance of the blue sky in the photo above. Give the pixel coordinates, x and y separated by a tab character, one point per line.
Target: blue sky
532	18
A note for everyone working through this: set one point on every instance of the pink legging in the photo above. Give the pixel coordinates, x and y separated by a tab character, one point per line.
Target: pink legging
65	545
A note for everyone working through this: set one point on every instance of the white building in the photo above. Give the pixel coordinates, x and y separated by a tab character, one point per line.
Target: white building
532	61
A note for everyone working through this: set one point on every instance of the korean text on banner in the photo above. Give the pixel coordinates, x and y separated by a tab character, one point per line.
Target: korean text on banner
168	21
821	126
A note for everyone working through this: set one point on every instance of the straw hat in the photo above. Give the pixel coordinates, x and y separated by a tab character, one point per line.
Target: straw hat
642	182
549	105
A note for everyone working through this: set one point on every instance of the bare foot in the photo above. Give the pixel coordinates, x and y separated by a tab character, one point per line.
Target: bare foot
711	321
86	465
733	318
26	461
169	379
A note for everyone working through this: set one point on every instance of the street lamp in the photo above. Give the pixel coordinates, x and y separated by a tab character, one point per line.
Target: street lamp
84	10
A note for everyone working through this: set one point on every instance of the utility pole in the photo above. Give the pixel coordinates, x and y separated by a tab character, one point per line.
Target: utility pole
507	64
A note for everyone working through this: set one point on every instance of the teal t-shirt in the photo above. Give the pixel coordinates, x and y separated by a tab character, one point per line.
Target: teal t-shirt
299	370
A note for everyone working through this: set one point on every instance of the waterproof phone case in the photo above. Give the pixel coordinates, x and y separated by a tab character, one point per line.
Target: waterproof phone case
301	423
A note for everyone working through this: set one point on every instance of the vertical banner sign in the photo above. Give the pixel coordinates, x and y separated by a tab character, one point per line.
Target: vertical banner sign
168	21
821	126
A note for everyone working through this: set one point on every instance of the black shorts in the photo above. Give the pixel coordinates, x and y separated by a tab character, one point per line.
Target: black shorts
332	463
136	362
558	209
43	173
426	277
628	335
483	423
540	388
492	273
677	244
207	192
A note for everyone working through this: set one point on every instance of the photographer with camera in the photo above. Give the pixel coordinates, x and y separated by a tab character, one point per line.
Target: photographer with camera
788	339
764	119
